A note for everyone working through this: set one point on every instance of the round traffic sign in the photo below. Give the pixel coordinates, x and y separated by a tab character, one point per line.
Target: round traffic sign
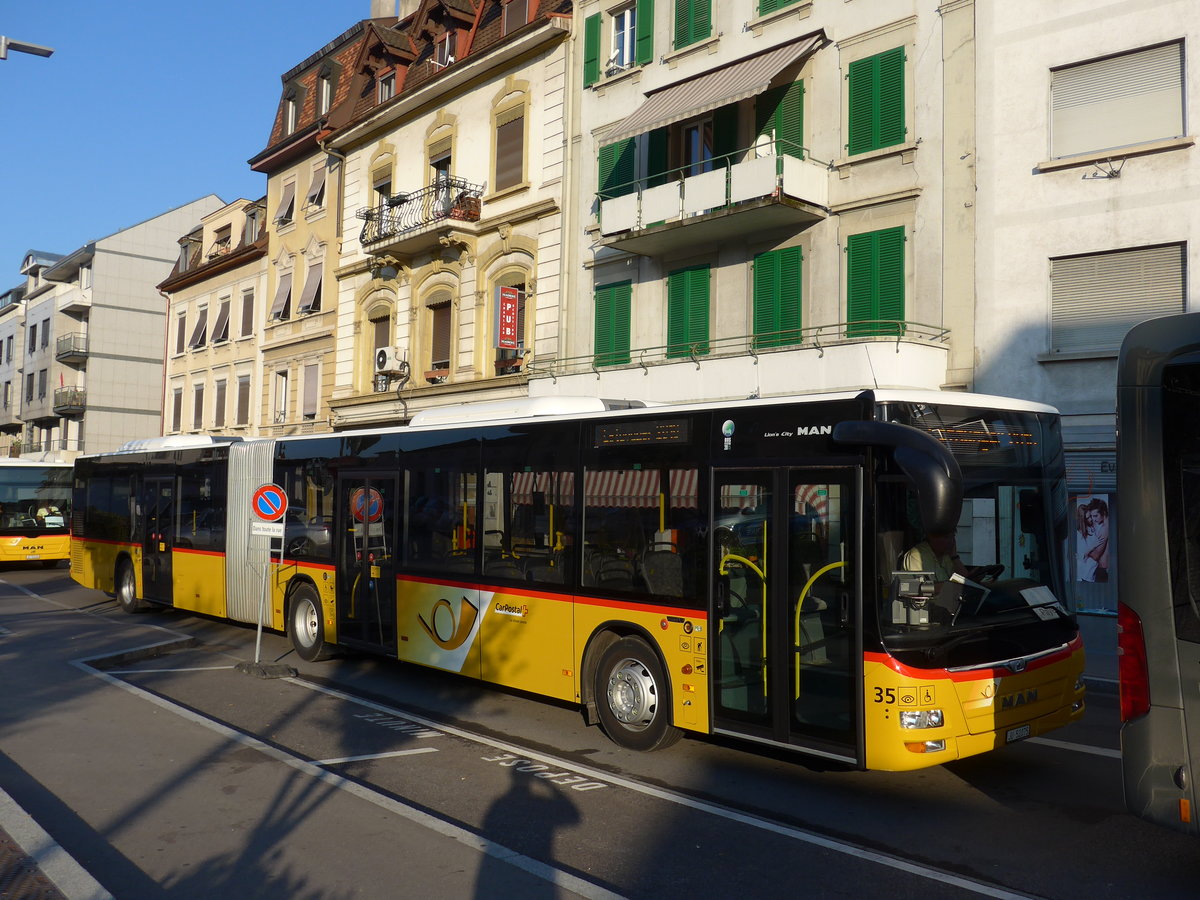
269	503
366	506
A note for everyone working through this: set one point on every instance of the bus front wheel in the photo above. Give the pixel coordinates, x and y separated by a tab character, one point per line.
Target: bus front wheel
126	588
305	628
633	698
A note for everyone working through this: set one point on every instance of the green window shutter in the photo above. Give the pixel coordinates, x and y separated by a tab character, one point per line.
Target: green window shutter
643	41
777	297
875	282
693	21
768	6
656	157
683	23
789	121
891	98
764	110
725	135
612	323
687	311
876	102
617	169
591	50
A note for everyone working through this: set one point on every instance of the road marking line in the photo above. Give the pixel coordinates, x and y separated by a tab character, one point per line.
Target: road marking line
348	759
191	669
715	809
534	867
1078	748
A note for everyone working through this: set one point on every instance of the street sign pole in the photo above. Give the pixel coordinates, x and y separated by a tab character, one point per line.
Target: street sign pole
268	505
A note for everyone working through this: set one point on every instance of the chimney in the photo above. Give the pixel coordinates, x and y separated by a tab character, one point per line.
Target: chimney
381	9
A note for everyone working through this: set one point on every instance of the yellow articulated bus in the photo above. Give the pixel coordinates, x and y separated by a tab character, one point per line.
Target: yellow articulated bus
35	511
750	570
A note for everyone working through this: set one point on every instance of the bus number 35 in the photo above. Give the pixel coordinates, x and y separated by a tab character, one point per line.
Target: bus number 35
885	695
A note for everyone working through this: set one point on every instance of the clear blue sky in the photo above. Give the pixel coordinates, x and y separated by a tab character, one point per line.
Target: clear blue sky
143	107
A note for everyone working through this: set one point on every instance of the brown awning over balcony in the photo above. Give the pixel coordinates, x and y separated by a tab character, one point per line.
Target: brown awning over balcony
712	90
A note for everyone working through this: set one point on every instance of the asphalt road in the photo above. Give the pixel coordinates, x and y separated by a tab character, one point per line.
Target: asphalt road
166	772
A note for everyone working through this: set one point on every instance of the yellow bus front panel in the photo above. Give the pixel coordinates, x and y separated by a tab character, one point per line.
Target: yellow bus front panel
919	718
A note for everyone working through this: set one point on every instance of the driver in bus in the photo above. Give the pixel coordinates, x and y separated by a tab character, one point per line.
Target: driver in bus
938	554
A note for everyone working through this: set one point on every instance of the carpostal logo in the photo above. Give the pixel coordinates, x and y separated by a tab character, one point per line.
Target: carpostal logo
510	609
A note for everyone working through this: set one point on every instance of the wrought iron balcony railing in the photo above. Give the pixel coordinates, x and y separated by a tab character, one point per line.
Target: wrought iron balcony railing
451	198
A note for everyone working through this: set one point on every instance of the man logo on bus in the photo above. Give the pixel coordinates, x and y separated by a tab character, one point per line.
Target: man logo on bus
445	631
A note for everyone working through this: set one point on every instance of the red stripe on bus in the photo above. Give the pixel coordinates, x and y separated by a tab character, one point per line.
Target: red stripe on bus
975	674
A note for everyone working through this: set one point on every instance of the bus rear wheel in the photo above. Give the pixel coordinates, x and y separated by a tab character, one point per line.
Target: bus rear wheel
305	628
633	697
126	588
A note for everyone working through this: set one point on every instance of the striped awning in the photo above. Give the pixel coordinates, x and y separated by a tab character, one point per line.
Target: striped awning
712	90
609	487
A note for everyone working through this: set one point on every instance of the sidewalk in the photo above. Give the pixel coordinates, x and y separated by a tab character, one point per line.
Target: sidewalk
22	876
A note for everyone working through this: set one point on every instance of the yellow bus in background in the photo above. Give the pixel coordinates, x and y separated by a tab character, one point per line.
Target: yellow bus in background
35	511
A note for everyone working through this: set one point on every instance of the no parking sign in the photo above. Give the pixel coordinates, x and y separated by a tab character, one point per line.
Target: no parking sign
268	505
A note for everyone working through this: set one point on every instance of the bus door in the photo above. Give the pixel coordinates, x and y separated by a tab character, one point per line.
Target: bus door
158	514
365	524
785	646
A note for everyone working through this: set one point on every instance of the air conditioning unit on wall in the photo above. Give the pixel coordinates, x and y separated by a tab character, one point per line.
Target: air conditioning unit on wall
389	361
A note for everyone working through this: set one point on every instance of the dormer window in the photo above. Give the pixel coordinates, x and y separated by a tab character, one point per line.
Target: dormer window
443	54
326	86
386	86
222	242
293	99
516	14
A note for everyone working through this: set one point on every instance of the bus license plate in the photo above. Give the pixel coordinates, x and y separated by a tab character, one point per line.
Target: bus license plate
33	556
1016	734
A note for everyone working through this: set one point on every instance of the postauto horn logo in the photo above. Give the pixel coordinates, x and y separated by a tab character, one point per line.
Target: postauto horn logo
445	631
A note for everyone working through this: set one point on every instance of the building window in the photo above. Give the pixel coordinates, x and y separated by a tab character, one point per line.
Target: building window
219	404
316	188
510	148
613	303
200	332
281	396
509	326
292	100
85	277
379	321
1096	299
777	297
1117	102
326	85
253	220
43	376
381	186
8	348
693	21
875	282
198	407
443	53
780	121
177	409
247	313
220	331
310	299
386	87
631	40
876	102
29	388
243	400
516	14
687	311
7	394
312	391
282	305
439	336
287	205
32	338
45	333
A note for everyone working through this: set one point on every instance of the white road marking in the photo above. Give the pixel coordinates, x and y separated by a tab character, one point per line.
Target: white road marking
538	869
182	669
1077	748
349	759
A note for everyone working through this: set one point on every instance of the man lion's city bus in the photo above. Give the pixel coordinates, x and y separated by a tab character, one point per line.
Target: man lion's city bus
1158	579
35	511
714	568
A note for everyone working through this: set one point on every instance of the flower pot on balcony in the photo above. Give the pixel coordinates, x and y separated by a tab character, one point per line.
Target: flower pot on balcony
465	209
437	376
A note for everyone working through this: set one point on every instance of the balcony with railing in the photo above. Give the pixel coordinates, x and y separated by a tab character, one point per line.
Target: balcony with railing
409	223
837	356
750	190
70	401
71	348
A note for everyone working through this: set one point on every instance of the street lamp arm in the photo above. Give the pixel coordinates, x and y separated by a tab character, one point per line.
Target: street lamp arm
7	43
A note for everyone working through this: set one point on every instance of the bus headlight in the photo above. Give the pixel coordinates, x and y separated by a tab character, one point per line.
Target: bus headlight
921	718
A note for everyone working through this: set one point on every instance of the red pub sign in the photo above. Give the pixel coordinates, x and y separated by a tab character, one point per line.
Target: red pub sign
508	304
